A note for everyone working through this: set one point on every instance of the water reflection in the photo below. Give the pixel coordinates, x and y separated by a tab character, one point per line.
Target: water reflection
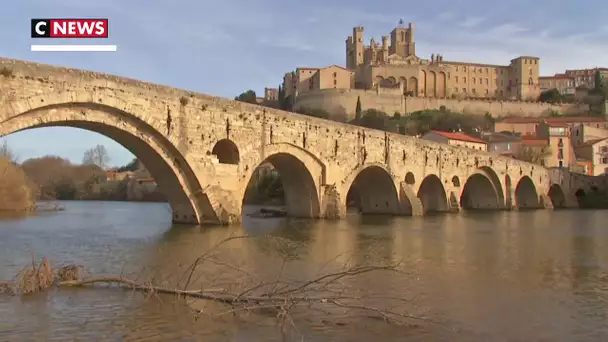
488	276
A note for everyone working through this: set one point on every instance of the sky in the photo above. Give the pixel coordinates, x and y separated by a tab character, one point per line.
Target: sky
225	47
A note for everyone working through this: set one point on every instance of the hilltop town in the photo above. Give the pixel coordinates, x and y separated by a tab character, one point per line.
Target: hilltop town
510	109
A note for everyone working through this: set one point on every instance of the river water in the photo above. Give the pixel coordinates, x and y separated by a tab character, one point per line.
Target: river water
505	276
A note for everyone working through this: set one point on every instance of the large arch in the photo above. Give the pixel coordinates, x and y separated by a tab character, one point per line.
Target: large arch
168	167
479	193
432	195
526	196
376	190
557	196
489	173
301	174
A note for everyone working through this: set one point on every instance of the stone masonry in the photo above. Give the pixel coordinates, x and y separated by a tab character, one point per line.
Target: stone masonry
202	150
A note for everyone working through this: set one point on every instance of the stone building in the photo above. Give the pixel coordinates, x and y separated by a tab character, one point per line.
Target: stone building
565	84
586	77
503	143
394	61
596	153
527	125
303	80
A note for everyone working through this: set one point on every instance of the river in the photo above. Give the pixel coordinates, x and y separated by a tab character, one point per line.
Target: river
504	276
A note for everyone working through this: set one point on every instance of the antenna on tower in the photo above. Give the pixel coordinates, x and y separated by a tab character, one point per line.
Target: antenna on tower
400	22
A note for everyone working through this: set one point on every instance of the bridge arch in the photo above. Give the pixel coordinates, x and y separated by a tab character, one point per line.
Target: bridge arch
557	196
169	168
226	152
374	188
432	195
301	174
482	190
526	196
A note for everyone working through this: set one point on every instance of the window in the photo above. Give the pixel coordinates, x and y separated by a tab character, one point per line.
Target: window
456	68
560	163
604	149
464	79
464	90
604	160
473	80
487	81
456	79
530	81
508	146
474	92
335	74
464	68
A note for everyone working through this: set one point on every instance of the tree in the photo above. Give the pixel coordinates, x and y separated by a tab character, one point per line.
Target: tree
97	156
314	112
533	154
373	118
7	153
249	96
358	109
131	166
551	96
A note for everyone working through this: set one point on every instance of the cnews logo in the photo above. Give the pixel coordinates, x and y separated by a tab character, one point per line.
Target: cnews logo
69	28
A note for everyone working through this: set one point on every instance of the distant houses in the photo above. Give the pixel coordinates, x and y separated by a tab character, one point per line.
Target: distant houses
577	143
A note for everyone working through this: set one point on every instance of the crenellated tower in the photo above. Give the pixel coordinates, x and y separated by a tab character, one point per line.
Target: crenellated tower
354	48
402	41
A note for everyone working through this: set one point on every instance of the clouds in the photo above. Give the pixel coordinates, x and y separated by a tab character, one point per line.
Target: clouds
225	47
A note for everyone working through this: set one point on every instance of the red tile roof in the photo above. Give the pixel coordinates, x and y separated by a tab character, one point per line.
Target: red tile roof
459	136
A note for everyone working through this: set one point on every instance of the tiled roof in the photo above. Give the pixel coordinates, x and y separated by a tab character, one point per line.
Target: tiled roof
459	136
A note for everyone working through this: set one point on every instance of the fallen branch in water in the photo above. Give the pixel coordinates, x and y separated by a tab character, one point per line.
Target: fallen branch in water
329	293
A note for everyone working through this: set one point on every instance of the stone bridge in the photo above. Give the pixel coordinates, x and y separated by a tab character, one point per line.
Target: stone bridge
202	150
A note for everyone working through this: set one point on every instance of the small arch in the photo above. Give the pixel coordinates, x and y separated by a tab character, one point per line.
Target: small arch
526	196
373	191
479	193
410	179
557	196
456	181
226	152
432	195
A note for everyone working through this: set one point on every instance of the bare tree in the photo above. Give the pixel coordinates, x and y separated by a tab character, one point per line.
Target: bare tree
533	154
98	155
7	153
212	279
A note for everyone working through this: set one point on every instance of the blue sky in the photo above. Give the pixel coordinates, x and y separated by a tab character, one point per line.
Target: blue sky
225	47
